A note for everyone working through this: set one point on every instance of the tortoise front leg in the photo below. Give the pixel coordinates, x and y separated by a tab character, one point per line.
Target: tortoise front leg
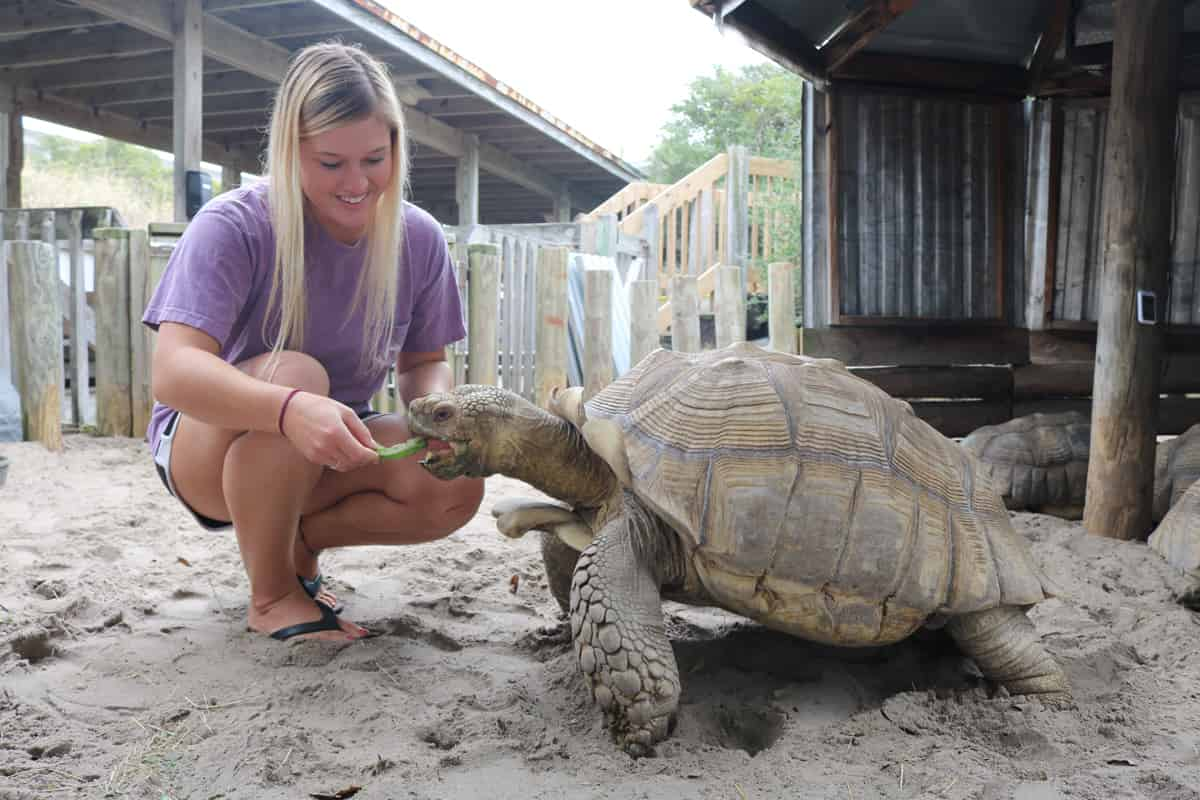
1004	644
619	635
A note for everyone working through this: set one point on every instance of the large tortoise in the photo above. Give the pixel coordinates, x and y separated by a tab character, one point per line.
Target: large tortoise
1177	537
1038	462
778	487
1176	468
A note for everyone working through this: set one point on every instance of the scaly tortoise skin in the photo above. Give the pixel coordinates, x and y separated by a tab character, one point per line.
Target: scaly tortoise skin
1176	468
778	487
1038	462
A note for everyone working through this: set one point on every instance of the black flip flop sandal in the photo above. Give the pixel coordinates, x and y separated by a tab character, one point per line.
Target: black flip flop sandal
327	622
312	587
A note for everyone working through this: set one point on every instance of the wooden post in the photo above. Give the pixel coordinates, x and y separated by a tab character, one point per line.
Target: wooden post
731	307
8	104
598	345
550	369
781	313
79	337
482	332
685	314
114	405
737	211
14	160
466	182
1139	169
458	350
140	289
35	328
188	87
643	320
651	232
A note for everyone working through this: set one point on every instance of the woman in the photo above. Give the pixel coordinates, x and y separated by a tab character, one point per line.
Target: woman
278	315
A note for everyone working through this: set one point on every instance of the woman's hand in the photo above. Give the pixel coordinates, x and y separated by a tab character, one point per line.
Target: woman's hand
328	433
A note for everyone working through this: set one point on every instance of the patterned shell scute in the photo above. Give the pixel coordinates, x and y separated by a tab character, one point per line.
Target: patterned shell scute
1038	460
810	499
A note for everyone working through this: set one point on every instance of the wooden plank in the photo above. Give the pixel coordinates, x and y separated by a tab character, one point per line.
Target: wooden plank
1138	162
530	322
685	315
550	369
598	344
1001	180
35	336
940	382
1185	257
1056	17
1175	413
919	345
1053	211
114	408
833	205
781	325
187	98
960	417
140	290
975	77
483	286
79	312
856	32
730	302
643	329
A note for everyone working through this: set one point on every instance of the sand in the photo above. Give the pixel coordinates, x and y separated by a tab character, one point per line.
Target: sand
126	671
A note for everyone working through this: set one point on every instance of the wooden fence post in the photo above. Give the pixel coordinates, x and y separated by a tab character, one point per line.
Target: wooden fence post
643	320
652	270
731	307
78	314
114	406
550	369
35	327
598	345
781	313
737	211
483	284
685	314
141	396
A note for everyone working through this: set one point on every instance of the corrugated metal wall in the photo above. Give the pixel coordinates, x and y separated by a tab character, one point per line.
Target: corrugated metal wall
1079	246
918	219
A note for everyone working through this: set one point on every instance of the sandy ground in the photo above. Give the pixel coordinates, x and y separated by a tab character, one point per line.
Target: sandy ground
126	671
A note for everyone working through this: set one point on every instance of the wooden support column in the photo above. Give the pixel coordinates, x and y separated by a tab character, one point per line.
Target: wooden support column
731	307
598	344
781	314
12	148
231	175
1139	169
188	92
466	182
643	320
562	204
483	287
114	402
737	211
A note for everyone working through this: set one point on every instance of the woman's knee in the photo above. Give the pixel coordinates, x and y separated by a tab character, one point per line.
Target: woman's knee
446	506
291	368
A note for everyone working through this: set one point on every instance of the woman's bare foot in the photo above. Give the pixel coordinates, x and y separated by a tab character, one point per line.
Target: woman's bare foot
294	608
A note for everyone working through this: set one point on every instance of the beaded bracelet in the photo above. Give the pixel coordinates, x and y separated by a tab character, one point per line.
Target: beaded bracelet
283	408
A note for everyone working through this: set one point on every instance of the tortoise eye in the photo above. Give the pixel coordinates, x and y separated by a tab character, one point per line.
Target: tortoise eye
443	413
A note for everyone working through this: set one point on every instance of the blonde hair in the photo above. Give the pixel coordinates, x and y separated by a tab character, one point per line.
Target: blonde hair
328	85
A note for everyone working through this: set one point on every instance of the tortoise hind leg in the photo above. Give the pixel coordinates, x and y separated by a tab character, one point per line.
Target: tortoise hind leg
559	559
619	635
1004	644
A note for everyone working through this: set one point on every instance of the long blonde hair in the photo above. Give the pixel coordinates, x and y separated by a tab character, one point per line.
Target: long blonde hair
328	85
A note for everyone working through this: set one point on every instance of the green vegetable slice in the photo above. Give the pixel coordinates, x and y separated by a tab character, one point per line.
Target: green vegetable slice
402	450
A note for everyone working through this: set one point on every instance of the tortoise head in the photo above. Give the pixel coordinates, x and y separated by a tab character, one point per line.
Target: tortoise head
475	423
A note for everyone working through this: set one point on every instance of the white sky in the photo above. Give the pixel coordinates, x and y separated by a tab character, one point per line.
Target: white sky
611	70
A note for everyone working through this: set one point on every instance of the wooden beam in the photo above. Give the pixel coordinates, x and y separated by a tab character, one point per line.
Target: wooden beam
1048	41
46	49
761	29
131	70
857	31
971	76
186	121
33	18
218	84
919	346
225	42
1139	159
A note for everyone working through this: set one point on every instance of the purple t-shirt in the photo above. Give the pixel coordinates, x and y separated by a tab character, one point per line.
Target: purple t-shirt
218	280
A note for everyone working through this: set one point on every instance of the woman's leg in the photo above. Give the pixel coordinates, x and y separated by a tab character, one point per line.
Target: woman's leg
393	502
260	481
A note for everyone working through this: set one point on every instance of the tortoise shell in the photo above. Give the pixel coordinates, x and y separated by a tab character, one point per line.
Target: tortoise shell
811	500
1177	537
1036	461
1176	468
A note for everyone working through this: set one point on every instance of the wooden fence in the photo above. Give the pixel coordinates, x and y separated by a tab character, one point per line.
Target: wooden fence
514	281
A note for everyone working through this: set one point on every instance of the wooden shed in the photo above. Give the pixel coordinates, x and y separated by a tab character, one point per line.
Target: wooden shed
972	219
196	78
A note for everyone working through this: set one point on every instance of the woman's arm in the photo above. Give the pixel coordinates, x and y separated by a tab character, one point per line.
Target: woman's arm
189	376
418	374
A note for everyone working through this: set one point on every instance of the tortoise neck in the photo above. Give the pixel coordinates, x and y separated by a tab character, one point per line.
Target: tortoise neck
554	457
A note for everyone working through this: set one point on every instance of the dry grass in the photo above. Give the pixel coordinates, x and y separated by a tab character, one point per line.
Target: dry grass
137	203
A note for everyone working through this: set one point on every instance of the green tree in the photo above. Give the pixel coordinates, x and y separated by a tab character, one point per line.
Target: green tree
759	107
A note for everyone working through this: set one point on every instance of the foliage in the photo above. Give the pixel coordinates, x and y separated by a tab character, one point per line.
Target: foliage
134	180
759	107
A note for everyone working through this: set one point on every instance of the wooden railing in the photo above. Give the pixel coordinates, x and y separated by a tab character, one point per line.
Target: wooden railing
628	200
731	210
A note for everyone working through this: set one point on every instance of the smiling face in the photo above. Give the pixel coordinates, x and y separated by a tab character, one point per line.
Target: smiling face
343	171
